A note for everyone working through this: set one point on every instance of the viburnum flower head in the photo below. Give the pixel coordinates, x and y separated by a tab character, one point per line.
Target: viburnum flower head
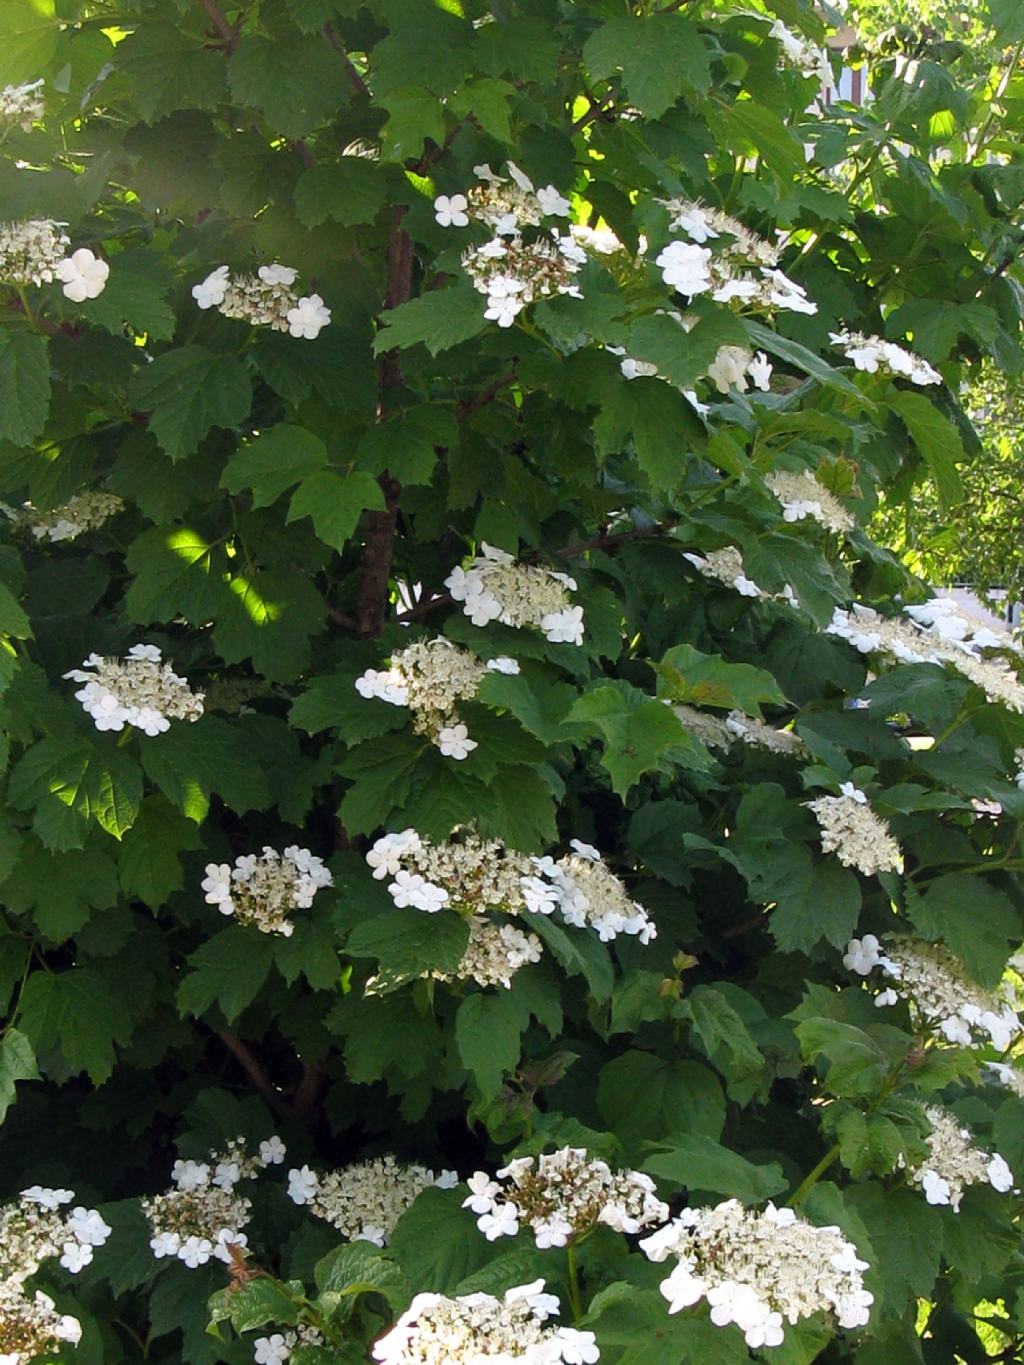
83	275
874	354
494	587
263	890
30	1327
953	1163
38	1226
22	104
364	1201
31	250
139	690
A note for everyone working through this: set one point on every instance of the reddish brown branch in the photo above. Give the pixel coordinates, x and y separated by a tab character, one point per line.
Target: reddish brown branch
605	542
250	1064
353	77
227	31
307	1092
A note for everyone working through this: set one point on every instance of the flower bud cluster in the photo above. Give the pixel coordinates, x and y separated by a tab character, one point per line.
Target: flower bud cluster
561	1196
264	889
476	875
365	1201
266	299
726	565
805	57
494	954
801	495
477	1328
935	983
31	251
953	1163
22	104
852	830
875	354
84	512
138	690
278	1347
31	1329
493	587
758	1270
201	1216
36	1227
505	204
431	678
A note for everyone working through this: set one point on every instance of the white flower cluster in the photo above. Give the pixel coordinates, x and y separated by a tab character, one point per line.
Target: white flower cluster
874	354
477	1328
801	495
31	251
365	1201
513	271
84	512
852	830
936	633
741	266
22	104
266	299
726	566
264	889
758	1270
806	57
732	366
474	875
493	587
138	690
278	1347
201	1216
1010	1077
431	678
953	1163
934	981
35	1228
494	954
31	1328
561	1196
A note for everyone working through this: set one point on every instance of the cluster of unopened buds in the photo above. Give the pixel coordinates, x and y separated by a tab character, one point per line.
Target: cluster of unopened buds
474	875
936	633
22	104
740	267
430	678
875	355
139	690
852	830
476	1328
759	1270
34	251
266	299
494	587
953	1163
512	270
936	984
801	495
365	1201
71	519
264	889
726	567
561	1197
34	1228
201	1216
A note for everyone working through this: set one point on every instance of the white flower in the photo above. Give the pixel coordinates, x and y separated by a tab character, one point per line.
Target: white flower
450	211
578	1348
503	664
854	793
88	1226
588	851
886	997
66	1328
502	1221
75	1256
785	293
217	886
760	371
277	274
862	955
482	1190
84	275
553	203
504	301
729	368
454	742
210	292
385	857
273	1350
164	1244
195	1251
302	1185
685	267
190	1175
565	626
541	1305
936	1190
47	1198
272	1151
309	316
1000	1177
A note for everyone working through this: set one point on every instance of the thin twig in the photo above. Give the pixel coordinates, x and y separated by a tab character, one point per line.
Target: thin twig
487	395
605	542
250	1064
351	74
227	31
597	108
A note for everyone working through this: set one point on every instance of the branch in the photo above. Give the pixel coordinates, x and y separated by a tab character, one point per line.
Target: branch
605	542
307	1092
597	108
228	32
487	395
254	1070
351	74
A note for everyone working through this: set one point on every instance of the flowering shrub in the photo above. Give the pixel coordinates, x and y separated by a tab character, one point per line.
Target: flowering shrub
495	864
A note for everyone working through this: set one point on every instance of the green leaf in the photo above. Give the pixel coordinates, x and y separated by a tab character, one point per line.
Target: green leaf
191	762
272	617
170	70
662	56
655	421
800	358
311	952
439	319
644	1098
59	890
13	620
709	680
754	129
936	438
414	115
359	1268
579	952
699	1163
28	39
856	1063
24	383
79	1013
297	82
640	734
349	191
228	970
539	704
971	917
488	102
136	292
273	461
150	853
409	943
187	392
437	1244
634	1319
70	784
407	446
487	1033
683	357
177	572
335	503
718	1026
17	1063
254	1304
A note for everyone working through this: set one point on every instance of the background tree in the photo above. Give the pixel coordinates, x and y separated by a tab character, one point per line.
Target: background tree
438	726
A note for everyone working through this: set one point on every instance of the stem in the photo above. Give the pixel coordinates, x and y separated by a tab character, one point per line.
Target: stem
220	23
809	1181
575	1301
998	94
254	1070
353	77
